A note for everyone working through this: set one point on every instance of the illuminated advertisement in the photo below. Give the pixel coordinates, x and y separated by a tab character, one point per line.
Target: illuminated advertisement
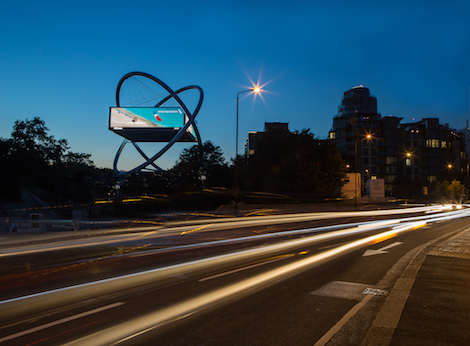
149	124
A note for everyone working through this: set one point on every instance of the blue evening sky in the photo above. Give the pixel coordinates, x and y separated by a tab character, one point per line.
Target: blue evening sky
62	60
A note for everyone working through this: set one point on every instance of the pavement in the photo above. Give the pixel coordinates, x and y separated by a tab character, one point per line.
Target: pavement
428	305
430	302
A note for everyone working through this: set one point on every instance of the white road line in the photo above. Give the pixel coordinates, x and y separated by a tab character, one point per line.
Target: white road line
381	251
333	245
64	320
240	269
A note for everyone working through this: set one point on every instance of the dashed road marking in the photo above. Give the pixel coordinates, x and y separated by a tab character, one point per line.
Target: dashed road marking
63	320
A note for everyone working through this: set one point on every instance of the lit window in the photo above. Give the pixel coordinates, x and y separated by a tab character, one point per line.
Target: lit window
408	161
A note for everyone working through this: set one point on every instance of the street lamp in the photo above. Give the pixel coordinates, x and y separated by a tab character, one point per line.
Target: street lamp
255	90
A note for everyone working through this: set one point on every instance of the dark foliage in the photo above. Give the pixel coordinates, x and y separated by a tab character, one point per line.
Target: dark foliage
34	160
293	163
198	168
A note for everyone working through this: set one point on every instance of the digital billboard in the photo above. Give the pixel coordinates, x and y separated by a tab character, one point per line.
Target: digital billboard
141	124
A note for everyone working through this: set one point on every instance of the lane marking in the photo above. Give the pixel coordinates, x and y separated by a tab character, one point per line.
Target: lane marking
381	251
63	320
333	245
244	268
402	265
342	289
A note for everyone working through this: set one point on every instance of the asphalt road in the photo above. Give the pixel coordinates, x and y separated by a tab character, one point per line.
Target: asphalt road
292	289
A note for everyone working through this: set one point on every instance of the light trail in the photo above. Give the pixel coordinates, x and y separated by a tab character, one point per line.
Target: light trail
212	225
54	298
128	330
58	297
245	268
46	301
61	321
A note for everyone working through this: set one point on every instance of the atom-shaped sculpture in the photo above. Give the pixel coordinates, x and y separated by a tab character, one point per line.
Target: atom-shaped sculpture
181	135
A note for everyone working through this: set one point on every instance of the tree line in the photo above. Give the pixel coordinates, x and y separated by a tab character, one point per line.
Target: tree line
291	163
33	160
294	164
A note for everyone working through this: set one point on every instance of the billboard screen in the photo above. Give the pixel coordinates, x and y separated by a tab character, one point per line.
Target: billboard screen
149	124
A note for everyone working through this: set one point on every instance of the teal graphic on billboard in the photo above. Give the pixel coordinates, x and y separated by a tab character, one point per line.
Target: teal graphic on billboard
138	123
146	117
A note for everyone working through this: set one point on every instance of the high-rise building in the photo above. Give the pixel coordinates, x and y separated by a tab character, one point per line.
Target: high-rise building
383	148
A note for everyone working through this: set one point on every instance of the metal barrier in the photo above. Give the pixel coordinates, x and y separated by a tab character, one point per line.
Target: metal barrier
18	225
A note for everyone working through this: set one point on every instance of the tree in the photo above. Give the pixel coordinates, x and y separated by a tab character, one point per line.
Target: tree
449	192
33	148
456	191
200	167
294	163
33	159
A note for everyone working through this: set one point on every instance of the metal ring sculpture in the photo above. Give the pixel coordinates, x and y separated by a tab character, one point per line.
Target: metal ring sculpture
179	134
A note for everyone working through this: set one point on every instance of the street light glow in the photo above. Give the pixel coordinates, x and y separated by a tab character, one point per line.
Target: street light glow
256	90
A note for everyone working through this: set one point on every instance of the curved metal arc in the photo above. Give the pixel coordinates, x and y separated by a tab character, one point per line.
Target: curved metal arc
172	94
196	110
146	157
118	154
179	134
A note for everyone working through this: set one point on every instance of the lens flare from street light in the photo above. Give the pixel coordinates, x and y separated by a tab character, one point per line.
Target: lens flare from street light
257	89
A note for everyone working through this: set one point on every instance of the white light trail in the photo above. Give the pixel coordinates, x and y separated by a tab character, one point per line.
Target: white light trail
127	330
46	301
63	296
214	225
59	297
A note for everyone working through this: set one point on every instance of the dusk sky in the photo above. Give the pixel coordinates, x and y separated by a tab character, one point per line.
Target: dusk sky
61	61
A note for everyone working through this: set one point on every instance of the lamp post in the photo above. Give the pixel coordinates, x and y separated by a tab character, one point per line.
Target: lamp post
359	141
256	90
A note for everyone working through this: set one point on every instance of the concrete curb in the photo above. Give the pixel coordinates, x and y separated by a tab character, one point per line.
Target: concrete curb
384	325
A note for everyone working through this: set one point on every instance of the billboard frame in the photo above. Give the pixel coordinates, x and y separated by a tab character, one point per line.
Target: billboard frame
161	134
150	161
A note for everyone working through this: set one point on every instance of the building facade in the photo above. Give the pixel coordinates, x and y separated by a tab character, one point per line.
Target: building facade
250	144
383	148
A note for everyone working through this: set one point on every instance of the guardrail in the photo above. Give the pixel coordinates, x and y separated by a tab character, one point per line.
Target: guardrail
33	225
25	225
